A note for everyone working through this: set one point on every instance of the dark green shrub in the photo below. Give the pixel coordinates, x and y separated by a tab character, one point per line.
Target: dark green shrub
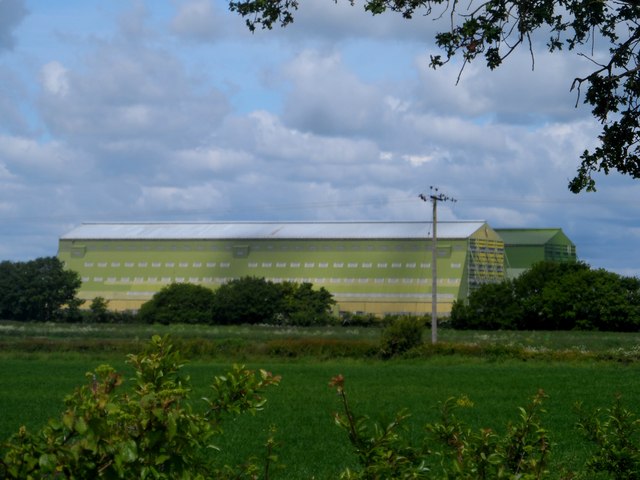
303	306
99	309
401	336
252	300
452	450
349	319
179	303
249	300
493	306
553	296
615	433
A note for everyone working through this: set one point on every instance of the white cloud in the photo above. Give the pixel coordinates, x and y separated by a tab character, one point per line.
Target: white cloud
55	79
133	94
336	117
417	160
327	98
30	159
171	199
198	20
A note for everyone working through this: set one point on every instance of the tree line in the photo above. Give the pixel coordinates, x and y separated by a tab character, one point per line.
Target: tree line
549	296
247	300
553	296
43	290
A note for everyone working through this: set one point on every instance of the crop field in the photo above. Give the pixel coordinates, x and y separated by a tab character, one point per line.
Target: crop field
33	385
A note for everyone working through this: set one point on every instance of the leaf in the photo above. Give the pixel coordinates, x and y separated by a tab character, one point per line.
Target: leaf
129	451
48	462
68	420
80	425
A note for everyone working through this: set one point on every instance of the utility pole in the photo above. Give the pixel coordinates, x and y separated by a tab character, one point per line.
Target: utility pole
435	197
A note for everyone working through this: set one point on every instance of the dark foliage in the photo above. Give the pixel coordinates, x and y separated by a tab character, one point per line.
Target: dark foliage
37	290
401	335
304	306
554	296
179	303
253	300
248	300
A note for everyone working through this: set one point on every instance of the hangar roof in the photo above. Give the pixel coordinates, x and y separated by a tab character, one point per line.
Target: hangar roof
271	230
532	236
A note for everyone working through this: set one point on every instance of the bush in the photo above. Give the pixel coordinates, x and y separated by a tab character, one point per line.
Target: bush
303	306
615	432
553	296
401	335
491	307
179	303
349	319
247	300
452	450
151	431
252	300
99	309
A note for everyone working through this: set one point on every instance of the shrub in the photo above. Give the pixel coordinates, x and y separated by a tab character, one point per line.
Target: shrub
453	451
99	309
253	300
150	432
303	306
401	335
179	303
247	300
349	319
615	432
553	296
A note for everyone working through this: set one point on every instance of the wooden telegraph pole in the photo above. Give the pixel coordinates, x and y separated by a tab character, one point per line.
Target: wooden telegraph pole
435	197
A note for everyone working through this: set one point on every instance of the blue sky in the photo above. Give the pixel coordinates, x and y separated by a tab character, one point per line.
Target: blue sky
171	110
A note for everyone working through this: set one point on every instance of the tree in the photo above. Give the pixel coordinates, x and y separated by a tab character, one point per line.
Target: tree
529	288
302	305
554	296
99	308
494	306
493	29
37	289
179	303
247	300
257	300
592	300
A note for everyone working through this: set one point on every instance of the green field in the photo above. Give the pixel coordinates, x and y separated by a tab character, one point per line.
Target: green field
32	386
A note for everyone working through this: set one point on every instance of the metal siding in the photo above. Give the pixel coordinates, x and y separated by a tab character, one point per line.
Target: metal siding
381	266
270	230
527	236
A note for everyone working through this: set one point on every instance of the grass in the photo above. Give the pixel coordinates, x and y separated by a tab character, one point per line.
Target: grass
303	405
498	371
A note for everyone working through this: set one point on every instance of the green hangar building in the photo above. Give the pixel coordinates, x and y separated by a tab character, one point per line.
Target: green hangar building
370	267
526	246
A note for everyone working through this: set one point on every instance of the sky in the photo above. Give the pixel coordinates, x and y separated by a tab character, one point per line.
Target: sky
171	110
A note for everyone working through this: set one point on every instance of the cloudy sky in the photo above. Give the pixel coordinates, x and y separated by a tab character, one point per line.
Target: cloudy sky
126	110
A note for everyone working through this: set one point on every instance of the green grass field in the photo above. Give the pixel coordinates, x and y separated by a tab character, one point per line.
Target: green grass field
33	385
